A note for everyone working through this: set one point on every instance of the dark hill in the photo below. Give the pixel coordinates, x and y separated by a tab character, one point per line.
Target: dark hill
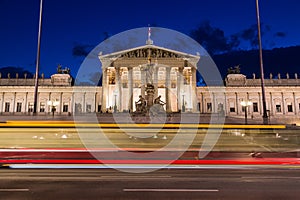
277	60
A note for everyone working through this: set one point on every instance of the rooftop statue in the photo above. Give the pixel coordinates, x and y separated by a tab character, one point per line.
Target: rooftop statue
234	70
63	71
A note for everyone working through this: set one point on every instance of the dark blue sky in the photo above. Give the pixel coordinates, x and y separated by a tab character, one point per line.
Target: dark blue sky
70	23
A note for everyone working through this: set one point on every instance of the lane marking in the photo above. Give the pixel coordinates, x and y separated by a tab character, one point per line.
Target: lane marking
168	190
135	177
14	190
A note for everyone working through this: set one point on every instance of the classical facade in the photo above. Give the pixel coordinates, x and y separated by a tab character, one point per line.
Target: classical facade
128	74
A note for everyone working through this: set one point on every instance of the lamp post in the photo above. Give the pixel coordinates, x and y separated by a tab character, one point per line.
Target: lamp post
245	105
265	116
183	102
115	106
36	84
53	105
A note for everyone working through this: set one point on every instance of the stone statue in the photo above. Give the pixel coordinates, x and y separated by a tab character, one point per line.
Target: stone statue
287	76
157	107
63	71
141	105
234	70
158	101
149	72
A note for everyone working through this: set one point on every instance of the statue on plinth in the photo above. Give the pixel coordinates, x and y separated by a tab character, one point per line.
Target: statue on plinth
141	105
157	108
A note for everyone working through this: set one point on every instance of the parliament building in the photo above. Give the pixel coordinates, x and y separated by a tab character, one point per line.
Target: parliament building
149	72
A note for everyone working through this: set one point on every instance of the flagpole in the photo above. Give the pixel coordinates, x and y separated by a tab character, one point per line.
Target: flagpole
38	60
265	116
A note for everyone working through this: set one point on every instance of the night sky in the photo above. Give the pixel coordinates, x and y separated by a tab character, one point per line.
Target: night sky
72	27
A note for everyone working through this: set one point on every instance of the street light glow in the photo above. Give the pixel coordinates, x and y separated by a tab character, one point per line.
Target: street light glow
246	103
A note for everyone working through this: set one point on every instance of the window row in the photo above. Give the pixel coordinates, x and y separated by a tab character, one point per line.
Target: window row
7	107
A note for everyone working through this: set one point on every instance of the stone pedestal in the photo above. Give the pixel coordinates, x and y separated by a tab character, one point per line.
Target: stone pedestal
150	95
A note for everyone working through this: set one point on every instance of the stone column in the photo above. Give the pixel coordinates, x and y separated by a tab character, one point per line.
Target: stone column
168	87
214	104
179	87
271	105
104	90
194	96
283	103
202	103
14	102
225	104
72	103
61	102
119	88
83	103
295	106
130	89
260	104
2	102
155	81
143	83
237	103
26	100
96	102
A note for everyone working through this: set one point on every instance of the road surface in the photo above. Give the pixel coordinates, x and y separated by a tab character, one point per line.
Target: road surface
251	183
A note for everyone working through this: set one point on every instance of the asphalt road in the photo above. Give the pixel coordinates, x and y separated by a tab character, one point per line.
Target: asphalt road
251	183
238	140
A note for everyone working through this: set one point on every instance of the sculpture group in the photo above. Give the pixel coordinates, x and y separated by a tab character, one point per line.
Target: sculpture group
144	106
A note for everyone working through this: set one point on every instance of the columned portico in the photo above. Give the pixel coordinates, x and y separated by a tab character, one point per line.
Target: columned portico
146	65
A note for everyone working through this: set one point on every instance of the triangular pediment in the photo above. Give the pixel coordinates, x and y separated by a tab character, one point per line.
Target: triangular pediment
142	52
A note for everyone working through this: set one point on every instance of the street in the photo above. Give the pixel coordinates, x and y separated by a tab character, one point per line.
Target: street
251	183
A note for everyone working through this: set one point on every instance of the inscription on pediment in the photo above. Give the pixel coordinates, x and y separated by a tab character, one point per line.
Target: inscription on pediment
154	53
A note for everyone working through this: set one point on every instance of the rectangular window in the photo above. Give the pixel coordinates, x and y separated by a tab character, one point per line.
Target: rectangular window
65	108
278	108
7	105
19	107
209	107
231	107
255	107
30	107
42	107
88	108
290	108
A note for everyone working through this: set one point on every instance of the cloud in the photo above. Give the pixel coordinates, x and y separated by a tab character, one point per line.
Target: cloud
211	38
280	34
81	50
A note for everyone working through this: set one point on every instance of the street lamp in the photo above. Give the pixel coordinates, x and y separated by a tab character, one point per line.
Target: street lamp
53	105
36	83
265	115
183	104
245	105
115	106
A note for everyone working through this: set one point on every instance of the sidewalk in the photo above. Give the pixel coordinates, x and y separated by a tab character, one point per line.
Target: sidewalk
127	118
